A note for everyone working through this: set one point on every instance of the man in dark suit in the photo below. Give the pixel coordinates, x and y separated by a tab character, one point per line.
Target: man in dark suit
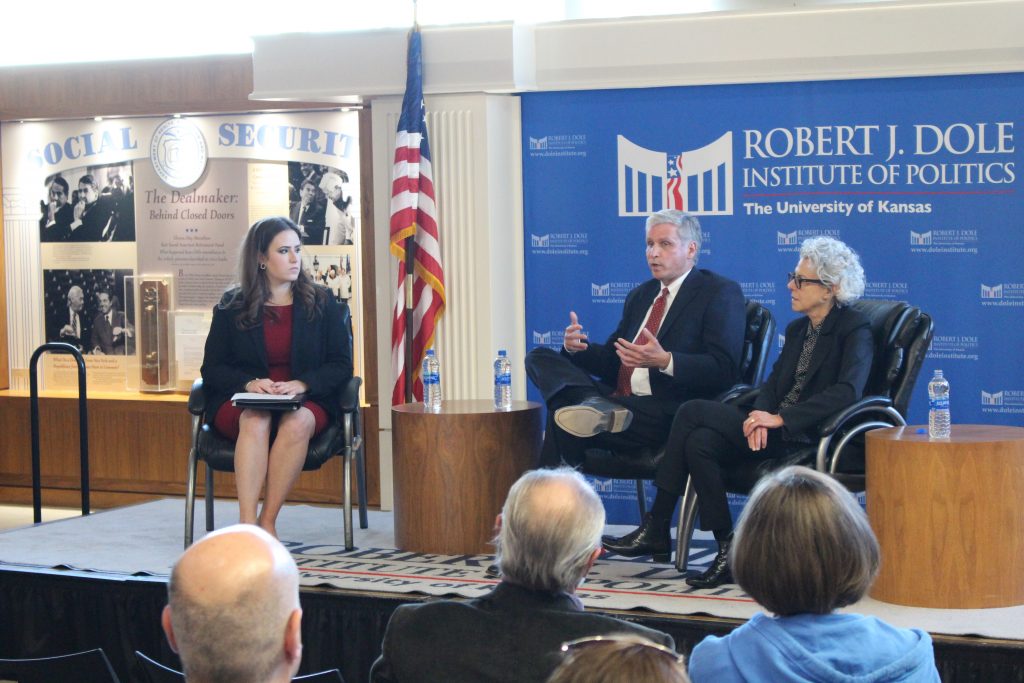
109	331
548	539
308	214
55	224
680	337
94	214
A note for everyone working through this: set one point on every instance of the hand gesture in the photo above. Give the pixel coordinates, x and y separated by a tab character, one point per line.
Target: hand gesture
575	337
649	354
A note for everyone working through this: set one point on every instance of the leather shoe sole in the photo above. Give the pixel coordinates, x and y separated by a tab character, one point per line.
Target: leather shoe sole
586	420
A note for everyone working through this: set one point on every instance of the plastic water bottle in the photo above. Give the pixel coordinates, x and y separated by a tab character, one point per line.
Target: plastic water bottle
938	407
502	381
431	382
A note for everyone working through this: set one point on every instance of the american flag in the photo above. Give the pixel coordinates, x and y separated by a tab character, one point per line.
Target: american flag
674	189
413	214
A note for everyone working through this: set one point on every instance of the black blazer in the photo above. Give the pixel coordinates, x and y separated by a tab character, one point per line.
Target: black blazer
703	330
839	369
511	634
321	354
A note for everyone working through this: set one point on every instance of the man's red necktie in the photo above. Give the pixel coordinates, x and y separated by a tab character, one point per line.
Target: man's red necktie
624	385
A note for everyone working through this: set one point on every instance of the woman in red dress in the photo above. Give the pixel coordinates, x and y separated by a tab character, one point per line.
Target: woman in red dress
276	332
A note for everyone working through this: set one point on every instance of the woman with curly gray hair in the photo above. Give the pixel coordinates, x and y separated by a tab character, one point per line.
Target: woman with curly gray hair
823	368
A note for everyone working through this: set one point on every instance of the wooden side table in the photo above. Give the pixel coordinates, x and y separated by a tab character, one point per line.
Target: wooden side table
453	470
948	516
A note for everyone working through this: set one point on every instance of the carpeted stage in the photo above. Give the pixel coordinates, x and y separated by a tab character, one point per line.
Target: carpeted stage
100	582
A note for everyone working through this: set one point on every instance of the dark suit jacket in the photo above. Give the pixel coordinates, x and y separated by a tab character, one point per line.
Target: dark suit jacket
60	231
312	221
321	354
511	634
103	334
703	330
94	219
839	369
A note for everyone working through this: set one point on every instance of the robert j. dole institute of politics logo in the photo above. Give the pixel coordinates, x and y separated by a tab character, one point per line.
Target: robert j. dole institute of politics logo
697	180
178	152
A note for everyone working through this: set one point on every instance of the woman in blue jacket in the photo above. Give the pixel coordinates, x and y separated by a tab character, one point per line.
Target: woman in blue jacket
803	549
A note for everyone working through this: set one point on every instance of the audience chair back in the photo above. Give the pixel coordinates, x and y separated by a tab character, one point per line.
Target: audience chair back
342	437
155	672
91	666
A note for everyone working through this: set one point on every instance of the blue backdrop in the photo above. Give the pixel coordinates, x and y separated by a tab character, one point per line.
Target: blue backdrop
919	175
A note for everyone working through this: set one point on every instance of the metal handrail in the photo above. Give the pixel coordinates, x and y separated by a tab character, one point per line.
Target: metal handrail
83	426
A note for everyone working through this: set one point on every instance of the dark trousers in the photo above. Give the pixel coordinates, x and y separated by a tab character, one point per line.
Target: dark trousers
563	384
706	437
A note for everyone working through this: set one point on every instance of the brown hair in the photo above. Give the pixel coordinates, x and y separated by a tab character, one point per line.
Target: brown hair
619	657
252	288
803	544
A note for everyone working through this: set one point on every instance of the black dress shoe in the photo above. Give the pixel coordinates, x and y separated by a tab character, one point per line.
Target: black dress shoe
492	571
651	538
593	416
718	573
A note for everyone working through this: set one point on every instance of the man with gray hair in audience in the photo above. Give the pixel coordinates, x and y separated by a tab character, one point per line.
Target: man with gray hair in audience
233	614
549	535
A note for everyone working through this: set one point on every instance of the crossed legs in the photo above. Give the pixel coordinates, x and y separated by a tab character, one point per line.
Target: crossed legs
277	464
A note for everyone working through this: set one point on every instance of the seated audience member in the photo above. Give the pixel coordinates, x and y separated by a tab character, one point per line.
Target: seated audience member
233	611
549	535
823	368
619	659
804	549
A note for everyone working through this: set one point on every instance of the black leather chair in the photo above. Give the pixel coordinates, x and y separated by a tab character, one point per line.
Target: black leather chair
91	666
902	335
342	437
642	464
155	672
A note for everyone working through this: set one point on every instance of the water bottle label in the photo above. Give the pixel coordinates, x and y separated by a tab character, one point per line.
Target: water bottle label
504	380
941	403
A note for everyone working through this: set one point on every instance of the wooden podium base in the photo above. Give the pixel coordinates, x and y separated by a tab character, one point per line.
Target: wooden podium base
453	470
948	516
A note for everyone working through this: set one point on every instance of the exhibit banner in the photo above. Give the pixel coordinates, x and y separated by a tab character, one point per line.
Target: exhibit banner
921	176
163	201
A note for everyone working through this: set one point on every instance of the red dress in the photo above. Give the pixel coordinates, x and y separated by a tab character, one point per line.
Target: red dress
277	336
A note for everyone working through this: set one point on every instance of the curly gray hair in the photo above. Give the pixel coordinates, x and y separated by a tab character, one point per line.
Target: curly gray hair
837	265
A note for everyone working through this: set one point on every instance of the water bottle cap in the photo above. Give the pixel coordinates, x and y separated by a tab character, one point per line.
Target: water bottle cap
938	373
430	352
501	353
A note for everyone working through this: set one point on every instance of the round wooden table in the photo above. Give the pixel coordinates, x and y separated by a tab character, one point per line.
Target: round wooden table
453	470
949	516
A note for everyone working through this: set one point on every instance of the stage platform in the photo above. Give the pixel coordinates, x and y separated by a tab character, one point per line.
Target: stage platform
100	581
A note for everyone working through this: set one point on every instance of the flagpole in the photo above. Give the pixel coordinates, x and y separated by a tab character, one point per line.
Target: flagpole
410	279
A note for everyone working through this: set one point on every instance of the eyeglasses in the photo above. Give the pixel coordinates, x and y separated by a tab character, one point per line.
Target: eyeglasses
801	281
580	643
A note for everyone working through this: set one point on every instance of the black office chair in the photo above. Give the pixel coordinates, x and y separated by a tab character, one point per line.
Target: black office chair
902	335
155	672
341	437
642	464
91	666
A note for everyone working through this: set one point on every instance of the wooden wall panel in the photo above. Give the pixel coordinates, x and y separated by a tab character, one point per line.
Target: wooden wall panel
217	83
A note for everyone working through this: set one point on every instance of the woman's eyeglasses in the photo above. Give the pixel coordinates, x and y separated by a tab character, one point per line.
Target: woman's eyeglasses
801	281
580	643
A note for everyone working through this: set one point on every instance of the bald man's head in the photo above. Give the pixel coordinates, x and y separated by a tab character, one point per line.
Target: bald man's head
233	612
